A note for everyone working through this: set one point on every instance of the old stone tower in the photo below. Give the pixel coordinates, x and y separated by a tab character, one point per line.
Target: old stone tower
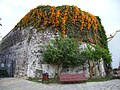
19	49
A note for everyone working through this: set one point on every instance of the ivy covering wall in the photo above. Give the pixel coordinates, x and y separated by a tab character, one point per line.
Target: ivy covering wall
66	19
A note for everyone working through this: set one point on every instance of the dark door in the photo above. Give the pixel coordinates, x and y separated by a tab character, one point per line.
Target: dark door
12	68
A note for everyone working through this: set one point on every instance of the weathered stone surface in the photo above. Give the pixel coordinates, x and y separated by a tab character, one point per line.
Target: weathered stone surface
21	53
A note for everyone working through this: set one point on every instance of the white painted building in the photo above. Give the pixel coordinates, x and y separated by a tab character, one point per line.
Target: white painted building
114	47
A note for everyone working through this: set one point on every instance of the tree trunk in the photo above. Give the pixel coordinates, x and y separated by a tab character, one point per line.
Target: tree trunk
99	67
89	69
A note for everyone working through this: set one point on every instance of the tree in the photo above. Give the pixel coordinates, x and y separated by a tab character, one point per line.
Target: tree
88	55
63	52
95	54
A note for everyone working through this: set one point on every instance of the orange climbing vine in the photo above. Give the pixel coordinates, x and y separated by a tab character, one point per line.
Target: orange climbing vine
61	18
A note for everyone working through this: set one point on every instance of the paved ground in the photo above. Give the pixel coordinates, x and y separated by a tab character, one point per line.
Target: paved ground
20	84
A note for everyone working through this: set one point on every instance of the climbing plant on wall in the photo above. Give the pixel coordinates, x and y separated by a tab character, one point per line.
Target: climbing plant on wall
69	20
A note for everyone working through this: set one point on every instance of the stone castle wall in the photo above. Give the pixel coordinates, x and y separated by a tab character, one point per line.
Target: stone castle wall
21	54
20	51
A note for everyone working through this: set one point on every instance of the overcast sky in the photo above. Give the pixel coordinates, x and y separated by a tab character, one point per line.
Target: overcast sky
11	11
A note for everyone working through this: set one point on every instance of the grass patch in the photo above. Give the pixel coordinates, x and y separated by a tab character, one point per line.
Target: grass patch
39	80
100	79
56	80
53	80
35	79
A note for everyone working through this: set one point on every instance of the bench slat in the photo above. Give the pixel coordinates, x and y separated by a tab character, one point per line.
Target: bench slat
72	77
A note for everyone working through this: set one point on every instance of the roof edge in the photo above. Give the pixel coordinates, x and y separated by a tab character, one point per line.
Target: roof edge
113	35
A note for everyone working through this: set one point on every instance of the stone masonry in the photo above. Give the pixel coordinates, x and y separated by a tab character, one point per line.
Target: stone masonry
20	51
21	54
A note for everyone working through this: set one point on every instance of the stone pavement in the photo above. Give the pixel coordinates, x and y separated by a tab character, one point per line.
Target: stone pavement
20	84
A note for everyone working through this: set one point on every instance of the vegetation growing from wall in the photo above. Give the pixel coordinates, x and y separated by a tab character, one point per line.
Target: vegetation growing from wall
69	20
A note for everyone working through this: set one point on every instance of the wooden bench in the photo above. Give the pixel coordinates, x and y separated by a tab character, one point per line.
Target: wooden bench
65	78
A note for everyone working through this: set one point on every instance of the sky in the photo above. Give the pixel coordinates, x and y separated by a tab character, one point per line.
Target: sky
114	48
12	11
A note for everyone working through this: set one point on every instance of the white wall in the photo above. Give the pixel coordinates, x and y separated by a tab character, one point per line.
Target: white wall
114	47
